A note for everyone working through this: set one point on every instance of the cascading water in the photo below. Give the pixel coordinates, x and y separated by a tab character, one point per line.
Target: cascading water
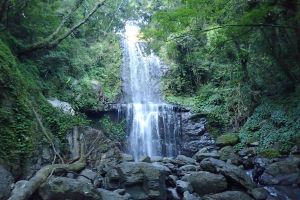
152	124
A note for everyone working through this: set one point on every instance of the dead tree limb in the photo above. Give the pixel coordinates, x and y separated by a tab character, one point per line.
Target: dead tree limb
43	174
38	119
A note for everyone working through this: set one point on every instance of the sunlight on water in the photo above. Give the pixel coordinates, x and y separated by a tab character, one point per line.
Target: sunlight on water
132	32
152	124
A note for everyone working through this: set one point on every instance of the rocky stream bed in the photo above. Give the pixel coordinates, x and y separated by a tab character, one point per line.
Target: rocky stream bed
213	173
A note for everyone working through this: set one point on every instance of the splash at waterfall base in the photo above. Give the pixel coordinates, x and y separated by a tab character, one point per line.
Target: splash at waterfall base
177	131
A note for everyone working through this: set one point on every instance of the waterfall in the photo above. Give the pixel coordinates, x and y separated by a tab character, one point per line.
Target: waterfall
152	124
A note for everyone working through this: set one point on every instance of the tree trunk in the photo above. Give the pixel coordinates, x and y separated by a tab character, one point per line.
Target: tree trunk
41	177
3	6
53	40
274	49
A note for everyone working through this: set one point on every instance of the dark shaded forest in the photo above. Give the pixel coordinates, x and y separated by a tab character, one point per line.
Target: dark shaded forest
234	62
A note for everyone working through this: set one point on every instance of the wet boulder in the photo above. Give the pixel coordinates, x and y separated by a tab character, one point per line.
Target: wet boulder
112	179
188	168
87	176
126	157
61	105
227	153
227	140
189	196
207	183
6	179
61	188
286	166
143	180
156	159
184	160
109	195
259	193
199	156
194	134
182	186
228	195
285	172
172	194
145	159
233	174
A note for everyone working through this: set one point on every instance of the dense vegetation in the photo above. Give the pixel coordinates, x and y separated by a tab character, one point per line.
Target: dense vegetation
237	62
61	49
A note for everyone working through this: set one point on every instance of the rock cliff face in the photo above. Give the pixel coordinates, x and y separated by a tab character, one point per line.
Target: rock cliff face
6	179
193	135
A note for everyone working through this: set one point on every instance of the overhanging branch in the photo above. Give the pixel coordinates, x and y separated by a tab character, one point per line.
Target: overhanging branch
53	40
247	25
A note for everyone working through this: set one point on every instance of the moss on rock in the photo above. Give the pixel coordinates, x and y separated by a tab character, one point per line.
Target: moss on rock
227	140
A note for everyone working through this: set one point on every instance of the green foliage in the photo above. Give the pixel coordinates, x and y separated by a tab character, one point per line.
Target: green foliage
84	71
274	124
59	123
90	54
228	57
17	128
20	134
114	130
270	153
227	139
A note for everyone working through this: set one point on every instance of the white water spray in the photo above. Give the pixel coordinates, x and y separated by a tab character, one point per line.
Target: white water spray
152	124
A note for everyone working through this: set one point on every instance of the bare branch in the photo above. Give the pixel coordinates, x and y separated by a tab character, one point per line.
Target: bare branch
47	136
53	40
66	18
247	25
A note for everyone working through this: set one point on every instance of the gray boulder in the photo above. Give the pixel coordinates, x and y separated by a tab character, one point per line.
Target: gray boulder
110	159
232	173
284	192
145	159
259	193
194	135
120	191
143	180
182	186
227	140
109	195
156	159
112	179
250	151
226	153
228	195
18	186
287	166
193	125
189	196
184	160
6	179
172	194
199	156
61	105
61	188
187	168
126	157
87	176
282	179
286	172
207	183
